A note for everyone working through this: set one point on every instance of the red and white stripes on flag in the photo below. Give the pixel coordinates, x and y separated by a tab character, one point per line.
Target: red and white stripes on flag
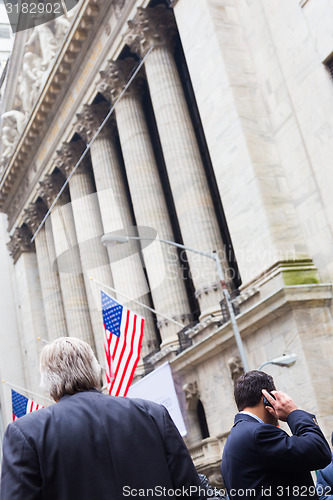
122	344
22	405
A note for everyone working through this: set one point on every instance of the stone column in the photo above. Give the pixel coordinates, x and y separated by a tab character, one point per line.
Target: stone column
126	265
154	27
49	278
30	304
168	290
68	261
89	230
247	117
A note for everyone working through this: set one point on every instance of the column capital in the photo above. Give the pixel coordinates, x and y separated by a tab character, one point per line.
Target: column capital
151	27
68	156
20	242
91	118
116	76
34	214
50	187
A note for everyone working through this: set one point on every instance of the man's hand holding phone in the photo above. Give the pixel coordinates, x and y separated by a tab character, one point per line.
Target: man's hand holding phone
281	405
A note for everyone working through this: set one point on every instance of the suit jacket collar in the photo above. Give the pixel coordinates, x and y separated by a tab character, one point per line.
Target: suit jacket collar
66	396
244	417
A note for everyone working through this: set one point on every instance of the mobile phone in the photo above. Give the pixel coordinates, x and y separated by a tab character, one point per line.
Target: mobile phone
266	402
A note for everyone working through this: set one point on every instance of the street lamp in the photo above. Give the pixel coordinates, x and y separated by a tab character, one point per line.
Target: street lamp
117	238
286	360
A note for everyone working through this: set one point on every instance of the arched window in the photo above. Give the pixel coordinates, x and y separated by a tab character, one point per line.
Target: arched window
202	420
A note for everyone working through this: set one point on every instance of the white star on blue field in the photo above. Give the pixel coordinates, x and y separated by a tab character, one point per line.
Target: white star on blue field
112	313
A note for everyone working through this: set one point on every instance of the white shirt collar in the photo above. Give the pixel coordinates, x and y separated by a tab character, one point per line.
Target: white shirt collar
252	415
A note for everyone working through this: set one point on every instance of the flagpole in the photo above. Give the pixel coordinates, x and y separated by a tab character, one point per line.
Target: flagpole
43	340
26	390
139	303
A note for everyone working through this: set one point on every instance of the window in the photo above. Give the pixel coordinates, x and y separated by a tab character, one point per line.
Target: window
329	64
5	31
202	420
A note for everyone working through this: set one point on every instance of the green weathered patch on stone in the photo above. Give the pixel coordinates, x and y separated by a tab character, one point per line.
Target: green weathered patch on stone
299	272
300	277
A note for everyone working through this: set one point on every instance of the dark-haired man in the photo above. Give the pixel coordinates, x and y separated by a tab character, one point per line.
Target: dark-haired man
260	460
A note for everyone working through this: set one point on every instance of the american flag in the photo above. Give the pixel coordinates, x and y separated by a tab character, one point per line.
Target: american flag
122	344
22	405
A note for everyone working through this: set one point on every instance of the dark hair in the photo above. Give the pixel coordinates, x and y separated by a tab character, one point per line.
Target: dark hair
247	390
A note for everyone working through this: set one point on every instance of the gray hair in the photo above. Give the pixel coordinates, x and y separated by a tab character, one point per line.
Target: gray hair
68	365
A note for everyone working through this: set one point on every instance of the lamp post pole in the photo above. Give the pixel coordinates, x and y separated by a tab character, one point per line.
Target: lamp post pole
214	255
232	315
286	360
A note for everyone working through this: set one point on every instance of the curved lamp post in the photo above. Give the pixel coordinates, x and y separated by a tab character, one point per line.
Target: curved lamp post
286	360
108	238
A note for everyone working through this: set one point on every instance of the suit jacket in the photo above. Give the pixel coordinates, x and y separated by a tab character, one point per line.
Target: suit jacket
90	446
269	463
325	483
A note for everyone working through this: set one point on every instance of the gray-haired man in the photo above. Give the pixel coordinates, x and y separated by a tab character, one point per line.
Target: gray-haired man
91	446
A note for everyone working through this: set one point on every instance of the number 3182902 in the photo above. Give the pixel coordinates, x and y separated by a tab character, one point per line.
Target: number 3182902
34	8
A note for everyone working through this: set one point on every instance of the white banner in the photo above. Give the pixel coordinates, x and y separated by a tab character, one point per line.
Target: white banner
158	386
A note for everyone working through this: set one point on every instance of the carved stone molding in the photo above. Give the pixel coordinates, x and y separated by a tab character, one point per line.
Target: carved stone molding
207	289
118	6
17	200
13	122
236	367
50	187
34	214
20	242
91	119
69	155
192	394
151	27
183	318
29	141
116	76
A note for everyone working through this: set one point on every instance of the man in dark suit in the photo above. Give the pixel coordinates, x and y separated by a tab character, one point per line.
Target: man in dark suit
260	460
325	481
90	446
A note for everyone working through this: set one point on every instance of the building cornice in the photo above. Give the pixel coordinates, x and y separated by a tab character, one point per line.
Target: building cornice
28	142
261	313
104	41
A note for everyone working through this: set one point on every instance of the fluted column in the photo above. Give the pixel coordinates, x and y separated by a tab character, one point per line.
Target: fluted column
49	278
31	316
127	271
154	27
68	261
89	230
167	288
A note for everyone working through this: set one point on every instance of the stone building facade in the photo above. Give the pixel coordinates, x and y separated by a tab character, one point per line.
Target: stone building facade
218	135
